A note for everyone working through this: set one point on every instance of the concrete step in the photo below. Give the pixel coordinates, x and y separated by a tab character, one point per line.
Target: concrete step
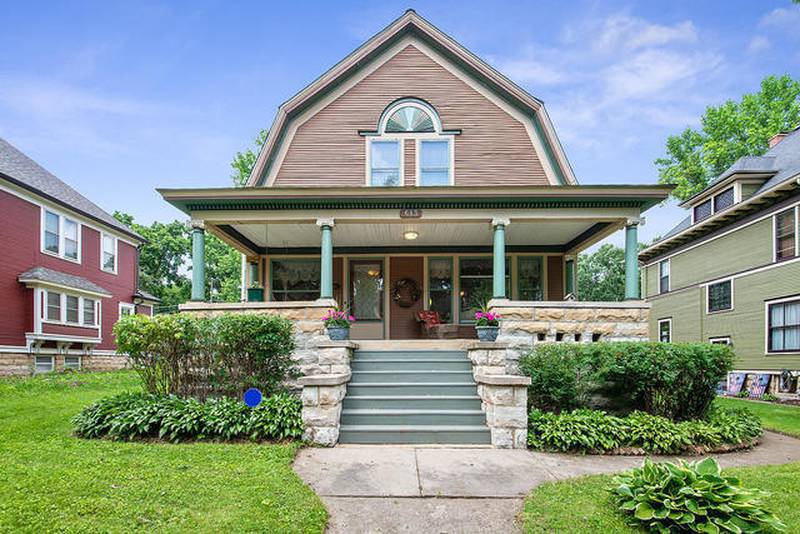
412	402
392	389
391	417
411	354
415	364
458	377
440	434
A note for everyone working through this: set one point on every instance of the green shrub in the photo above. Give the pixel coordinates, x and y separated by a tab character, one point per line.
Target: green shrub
204	357
130	416
673	380
562	376
595	431
695	497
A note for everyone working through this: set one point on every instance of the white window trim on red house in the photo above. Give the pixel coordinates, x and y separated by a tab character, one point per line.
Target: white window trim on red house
61	235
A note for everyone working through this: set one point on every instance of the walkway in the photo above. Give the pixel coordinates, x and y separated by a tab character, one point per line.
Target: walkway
427	489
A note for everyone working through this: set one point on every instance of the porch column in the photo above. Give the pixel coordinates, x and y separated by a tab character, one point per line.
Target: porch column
326	259
570	275
499	263
198	261
632	260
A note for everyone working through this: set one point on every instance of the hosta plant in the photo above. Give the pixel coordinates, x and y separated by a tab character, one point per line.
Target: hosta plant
691	497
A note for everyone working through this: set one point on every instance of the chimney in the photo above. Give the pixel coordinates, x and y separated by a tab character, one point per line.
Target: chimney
777	138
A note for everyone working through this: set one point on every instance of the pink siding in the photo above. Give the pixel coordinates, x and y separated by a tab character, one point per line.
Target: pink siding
493	149
20	223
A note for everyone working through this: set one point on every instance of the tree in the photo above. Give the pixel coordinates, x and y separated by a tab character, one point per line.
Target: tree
728	132
601	275
243	162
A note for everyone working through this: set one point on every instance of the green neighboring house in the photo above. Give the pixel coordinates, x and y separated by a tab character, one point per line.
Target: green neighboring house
730	271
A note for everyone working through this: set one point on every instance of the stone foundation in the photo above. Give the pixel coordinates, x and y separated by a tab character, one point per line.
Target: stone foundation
504	399
23	363
523	324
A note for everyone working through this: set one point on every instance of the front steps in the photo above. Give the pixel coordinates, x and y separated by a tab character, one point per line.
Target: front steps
412	396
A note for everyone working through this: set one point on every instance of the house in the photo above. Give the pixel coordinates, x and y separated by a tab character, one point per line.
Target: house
730	271
68	271
411	177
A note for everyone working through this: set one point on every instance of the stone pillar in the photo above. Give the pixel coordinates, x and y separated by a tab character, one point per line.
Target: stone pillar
570	276
499	263
322	407
632	261
198	261
326	259
505	402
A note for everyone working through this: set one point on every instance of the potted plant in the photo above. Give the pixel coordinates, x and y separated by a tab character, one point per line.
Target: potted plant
338	324
487	324
255	293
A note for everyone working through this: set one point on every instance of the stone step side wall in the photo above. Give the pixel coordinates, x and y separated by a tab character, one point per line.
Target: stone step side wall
523	324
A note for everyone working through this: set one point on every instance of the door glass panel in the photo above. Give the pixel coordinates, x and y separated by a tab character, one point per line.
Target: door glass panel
530	278
475	280
440	276
366	290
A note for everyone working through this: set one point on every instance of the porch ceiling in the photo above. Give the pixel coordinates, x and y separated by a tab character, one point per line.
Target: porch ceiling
554	236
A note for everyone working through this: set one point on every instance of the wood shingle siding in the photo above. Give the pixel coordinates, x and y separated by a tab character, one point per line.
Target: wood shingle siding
493	148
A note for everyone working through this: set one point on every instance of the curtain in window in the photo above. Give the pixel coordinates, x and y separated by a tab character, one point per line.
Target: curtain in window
294	280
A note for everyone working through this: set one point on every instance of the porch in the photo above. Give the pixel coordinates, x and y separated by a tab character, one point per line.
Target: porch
390	254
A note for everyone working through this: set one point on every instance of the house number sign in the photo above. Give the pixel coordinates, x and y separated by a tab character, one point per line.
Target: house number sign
410	213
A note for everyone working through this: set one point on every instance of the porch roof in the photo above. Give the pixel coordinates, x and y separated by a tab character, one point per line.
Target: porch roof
642	197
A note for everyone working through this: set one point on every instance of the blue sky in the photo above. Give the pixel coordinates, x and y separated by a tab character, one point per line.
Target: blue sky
118	98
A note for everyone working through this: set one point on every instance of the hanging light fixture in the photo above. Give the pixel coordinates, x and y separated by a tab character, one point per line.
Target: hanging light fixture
410	235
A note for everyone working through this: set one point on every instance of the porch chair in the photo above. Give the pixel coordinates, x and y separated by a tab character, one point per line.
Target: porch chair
433	328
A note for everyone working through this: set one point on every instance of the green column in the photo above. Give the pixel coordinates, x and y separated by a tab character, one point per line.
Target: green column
326	259
570	275
631	262
198	262
499	264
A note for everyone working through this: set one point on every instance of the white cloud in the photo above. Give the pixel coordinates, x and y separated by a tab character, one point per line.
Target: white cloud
757	44
623	32
782	18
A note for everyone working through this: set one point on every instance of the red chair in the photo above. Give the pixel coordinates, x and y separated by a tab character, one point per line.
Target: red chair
433	328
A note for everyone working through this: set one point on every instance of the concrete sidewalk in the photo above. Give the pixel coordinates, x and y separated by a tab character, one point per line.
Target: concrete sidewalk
430	489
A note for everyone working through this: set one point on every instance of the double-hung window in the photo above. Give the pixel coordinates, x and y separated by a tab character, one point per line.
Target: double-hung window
89	312
434	162
61	236
665	330
108	254
385	163
53	303
73	307
126	309
783	333
663	276
720	296
786	235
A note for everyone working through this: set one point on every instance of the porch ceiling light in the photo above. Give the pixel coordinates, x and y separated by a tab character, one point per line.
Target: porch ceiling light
410	235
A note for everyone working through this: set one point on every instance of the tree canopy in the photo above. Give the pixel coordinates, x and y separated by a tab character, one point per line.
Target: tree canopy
728	132
243	162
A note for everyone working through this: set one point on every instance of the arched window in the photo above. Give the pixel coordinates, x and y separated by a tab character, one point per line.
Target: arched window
403	121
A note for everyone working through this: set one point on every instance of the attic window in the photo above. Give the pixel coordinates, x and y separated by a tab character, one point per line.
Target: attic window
723	200
409	119
702	211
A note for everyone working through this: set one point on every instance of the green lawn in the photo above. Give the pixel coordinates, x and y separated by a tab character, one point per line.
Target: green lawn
52	481
583	505
778	417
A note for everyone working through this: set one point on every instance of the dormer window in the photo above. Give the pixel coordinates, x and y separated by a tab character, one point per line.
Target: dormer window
702	211
409	124
724	200
719	202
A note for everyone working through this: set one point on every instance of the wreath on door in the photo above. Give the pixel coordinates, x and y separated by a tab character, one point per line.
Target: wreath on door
406	292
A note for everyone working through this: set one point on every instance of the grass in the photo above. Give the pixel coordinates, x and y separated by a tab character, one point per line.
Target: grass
583	504
780	417
52	481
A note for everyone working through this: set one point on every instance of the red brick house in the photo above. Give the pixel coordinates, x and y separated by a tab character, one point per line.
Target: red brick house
68	271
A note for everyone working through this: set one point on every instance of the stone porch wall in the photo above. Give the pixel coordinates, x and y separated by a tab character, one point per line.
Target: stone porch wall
525	323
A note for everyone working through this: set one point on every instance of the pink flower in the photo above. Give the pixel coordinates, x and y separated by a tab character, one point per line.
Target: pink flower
352	318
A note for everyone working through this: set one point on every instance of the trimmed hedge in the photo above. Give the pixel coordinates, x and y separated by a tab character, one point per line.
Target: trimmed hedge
674	380
695	497
198	357
586	430
131	416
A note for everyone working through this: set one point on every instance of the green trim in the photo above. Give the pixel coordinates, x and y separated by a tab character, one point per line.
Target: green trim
498	262
198	265
631	262
548	150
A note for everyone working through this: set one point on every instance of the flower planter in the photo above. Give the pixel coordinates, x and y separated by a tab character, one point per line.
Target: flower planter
338	333
487	333
255	294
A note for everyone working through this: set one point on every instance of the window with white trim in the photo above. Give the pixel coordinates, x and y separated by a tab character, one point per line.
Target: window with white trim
61	236
108	253
665	330
53	304
70	309
126	309
44	364
724	340
89	312
785	235
434	162
72	362
73	307
720	296
783	326
663	276
385	163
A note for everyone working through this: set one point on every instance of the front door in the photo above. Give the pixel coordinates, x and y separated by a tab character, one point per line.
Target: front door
406	287
366	298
